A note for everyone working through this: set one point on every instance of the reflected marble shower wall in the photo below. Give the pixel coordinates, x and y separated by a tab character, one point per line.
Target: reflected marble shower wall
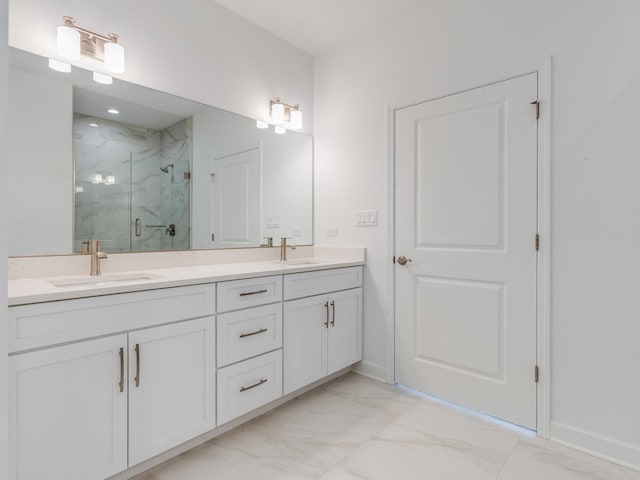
131	185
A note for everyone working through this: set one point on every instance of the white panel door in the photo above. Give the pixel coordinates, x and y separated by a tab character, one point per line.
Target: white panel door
236	199
171	386
68	411
466	196
305	341
345	329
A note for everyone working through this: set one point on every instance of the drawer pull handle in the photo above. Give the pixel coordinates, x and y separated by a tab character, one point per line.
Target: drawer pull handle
326	322
121	383
244	389
333	317
244	335
244	294
137	350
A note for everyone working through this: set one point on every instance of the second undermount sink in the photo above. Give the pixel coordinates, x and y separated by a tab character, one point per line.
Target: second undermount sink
302	261
102	280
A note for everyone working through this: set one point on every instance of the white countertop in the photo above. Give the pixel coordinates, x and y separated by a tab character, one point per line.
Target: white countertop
36	290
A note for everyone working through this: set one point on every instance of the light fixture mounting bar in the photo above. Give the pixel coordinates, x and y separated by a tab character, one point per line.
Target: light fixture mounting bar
91	43
277	100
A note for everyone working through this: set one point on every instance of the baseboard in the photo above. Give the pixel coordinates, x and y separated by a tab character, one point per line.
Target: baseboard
610	449
372	371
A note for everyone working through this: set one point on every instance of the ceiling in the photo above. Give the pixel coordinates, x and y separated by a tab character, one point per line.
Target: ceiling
317	26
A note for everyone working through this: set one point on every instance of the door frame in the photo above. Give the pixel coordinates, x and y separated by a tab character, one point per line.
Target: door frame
543	262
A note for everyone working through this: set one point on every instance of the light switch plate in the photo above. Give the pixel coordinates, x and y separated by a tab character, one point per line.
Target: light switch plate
366	218
273	221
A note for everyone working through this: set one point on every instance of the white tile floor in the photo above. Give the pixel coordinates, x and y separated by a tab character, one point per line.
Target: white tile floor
355	428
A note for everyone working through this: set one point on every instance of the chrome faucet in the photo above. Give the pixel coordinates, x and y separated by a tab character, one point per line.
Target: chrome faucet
283	248
92	247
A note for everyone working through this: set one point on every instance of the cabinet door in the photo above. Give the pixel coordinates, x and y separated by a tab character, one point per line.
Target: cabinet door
171	386
68	413
345	329
305	341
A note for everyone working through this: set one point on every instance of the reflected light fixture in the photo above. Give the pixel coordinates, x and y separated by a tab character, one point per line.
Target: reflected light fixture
261	124
73	41
102	78
285	115
113	111
280	130
59	66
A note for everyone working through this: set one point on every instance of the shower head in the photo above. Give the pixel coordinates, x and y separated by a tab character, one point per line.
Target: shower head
165	169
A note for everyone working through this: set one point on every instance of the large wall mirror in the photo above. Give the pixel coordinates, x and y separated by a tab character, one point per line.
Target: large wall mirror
143	170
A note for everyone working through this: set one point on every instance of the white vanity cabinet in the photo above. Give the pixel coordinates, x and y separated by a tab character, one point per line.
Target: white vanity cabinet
89	409
249	345
322	333
68	411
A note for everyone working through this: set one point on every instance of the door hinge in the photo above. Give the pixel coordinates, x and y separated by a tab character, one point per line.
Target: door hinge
537	242
536	374
537	104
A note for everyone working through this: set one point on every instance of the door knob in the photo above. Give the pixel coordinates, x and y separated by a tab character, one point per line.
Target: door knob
403	260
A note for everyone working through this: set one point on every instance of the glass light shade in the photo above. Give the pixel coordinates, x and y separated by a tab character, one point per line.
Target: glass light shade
295	123
68	43
102	78
110	180
96	178
280	130
59	66
114	57
261	124
277	113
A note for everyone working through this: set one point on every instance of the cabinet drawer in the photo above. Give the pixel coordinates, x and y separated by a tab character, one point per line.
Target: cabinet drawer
248	333
248	385
237	294
42	324
306	284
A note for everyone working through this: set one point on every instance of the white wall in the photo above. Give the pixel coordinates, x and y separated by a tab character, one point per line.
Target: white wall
446	46
195	49
40	154
4	78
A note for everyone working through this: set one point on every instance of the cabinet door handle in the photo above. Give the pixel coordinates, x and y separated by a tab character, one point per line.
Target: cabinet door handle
333	316
326	322
244	294
137	350
244	335
121	384
244	389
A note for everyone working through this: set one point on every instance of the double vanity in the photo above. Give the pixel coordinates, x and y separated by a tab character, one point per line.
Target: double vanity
112	374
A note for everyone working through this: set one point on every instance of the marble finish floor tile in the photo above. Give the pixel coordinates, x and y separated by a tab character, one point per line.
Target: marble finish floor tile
356	428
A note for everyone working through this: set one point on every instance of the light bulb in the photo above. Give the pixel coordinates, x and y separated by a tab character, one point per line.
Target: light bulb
277	113
295	122
68	43
280	130
114	57
102	78
110	180
96	178
261	124
59	66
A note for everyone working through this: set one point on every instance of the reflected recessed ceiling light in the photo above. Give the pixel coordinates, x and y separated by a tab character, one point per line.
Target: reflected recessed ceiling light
102	78
59	66
113	111
94	125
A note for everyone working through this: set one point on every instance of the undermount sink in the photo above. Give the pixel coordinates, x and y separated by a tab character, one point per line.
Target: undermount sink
302	261
102	280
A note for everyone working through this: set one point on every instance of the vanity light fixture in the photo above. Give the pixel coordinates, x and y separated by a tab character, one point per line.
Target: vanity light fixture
96	178
102	78
280	130
73	41
261	124
285	115
110	180
59	66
